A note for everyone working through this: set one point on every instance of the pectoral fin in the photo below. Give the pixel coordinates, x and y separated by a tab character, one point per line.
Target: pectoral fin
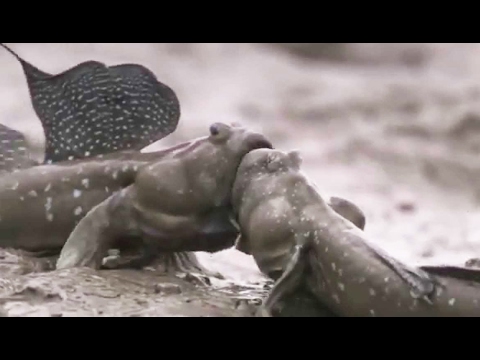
290	279
422	285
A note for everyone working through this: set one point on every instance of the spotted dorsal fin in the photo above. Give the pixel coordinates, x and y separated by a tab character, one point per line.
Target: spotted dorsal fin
93	109
14	154
32	73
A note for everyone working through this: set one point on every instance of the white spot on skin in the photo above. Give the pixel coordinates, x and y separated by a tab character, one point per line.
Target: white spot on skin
414	305
15	186
32	193
115	174
77	193
372	312
87	153
387	279
341	286
22	198
336	298
334	267
85	182
50	217
78	210
48	204
372	292
451	302
48	187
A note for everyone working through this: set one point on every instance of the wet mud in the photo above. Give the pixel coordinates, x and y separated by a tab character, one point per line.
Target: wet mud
394	128
30	287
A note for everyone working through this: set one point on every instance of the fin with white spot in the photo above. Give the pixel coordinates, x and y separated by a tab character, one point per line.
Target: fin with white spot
14	154
291	277
92	109
422	285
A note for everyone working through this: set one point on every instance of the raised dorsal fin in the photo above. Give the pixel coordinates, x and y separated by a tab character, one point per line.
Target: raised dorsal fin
92	109
32	73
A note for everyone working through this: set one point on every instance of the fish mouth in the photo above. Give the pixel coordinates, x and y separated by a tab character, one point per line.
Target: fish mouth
260	144
255	144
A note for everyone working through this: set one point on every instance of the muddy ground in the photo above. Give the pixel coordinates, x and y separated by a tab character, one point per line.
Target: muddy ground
393	127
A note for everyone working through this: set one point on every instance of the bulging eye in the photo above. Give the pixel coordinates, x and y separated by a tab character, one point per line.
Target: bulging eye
220	132
214	130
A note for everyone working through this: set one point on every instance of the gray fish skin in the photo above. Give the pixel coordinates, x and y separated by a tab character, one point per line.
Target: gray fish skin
340	266
179	203
93	109
255	206
41	205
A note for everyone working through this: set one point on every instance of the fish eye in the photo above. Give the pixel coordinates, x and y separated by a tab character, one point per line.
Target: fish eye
220	131
214	130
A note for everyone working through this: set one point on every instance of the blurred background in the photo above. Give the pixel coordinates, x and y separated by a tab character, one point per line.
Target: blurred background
392	127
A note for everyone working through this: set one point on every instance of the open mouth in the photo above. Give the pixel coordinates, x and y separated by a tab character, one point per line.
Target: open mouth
255	144
261	144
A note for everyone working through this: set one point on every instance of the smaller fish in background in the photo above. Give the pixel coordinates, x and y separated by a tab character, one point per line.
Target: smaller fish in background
92	109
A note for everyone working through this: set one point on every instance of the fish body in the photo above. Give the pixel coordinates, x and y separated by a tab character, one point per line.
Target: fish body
333	258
